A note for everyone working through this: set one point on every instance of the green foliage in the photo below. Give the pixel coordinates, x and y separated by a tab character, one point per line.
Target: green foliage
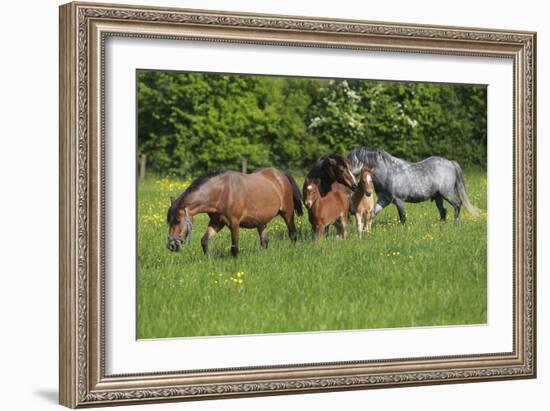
192	122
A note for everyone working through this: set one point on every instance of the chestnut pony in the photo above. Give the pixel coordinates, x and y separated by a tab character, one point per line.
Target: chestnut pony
235	200
333	208
362	201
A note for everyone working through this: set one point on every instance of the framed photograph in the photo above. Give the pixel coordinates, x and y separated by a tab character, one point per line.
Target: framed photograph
259	204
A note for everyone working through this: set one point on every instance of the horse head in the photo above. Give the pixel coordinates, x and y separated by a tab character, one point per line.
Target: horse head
338	167
311	191
180	226
365	180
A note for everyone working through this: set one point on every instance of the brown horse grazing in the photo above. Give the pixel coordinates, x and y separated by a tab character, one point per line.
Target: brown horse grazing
235	200
331	169
362	201
323	211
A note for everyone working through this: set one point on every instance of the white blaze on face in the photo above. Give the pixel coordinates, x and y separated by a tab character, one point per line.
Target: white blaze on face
369	179
308	201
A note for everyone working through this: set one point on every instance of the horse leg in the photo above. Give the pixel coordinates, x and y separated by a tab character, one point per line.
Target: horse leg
211	230
359	218
455	202
400	204
344	224
338	226
234	227
383	202
368	217
262	231
441	208
318	232
288	216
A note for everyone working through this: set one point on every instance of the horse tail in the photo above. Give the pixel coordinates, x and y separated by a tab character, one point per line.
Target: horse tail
461	189
296	195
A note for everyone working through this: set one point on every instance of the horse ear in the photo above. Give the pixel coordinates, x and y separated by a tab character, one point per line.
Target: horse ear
331	161
316	181
172	200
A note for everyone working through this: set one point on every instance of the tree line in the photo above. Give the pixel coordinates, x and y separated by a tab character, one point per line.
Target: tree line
192	122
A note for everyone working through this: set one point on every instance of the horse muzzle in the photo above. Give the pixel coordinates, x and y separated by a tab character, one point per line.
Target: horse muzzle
174	245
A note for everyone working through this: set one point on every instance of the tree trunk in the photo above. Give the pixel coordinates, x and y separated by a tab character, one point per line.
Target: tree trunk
244	164
142	166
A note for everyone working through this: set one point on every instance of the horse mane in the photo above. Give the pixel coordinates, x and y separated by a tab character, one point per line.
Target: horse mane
369	156
364	155
194	186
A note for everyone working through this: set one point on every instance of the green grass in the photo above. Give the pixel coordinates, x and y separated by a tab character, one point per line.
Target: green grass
421	274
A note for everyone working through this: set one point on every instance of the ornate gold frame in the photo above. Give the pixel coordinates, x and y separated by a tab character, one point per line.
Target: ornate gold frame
83	30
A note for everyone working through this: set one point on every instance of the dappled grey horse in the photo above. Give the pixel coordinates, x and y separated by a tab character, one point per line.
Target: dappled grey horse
398	181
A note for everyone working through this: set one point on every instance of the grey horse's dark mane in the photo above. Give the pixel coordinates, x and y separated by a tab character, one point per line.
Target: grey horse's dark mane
195	185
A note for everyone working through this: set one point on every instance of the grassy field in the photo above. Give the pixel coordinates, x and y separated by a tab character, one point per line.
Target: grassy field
421	274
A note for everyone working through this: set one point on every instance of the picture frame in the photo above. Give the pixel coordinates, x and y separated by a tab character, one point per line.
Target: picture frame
84	30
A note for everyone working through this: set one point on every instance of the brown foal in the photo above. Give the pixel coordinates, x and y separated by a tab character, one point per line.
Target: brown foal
333	208
362	201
